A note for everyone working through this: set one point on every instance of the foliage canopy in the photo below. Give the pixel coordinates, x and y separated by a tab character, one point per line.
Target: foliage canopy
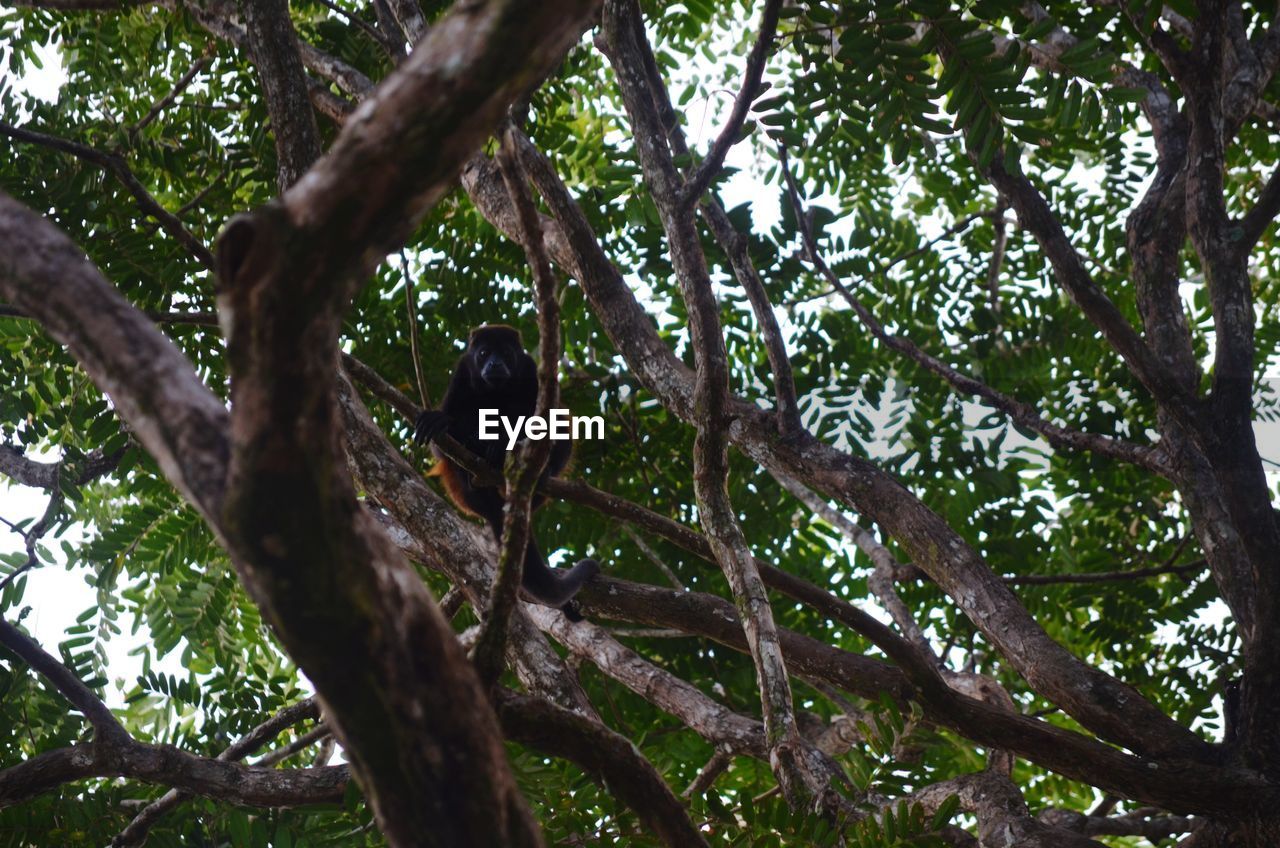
978	178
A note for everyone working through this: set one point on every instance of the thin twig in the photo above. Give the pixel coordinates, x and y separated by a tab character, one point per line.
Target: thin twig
411	307
652	555
165	102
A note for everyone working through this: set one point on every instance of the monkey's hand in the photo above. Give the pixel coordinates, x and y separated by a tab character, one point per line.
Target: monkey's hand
430	424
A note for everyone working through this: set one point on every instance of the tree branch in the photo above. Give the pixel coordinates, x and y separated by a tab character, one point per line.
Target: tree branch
114	753
153	388
1260	216
251	786
531	457
800	770
409	15
1020	412
135	833
1036	217
107	730
881	580
220	18
605	755
116	165
707	170
45	475
735	245
171	97
1001	811
273	47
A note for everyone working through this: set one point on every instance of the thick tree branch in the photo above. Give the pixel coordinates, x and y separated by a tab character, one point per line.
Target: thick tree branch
152	386
409	15
1036	217
428	753
252	786
1147	823
221	18
273	46
800	774
1260	216
107	730
114	753
1001	811
45	475
1228	432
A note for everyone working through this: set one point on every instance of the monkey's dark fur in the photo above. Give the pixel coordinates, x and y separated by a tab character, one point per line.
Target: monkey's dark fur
496	373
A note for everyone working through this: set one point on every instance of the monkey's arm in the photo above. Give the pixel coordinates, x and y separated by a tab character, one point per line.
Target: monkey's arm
432	422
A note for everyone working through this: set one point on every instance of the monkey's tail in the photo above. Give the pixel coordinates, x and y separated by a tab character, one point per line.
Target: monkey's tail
555	587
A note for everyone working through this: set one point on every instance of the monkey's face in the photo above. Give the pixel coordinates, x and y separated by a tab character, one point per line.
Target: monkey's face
493	365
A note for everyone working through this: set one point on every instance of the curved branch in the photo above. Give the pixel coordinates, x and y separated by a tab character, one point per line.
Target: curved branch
607	756
114	753
151	384
106	728
1035	216
531	457
44	475
799	770
1260	216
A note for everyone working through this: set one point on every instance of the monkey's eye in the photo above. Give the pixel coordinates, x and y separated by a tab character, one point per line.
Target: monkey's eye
482	352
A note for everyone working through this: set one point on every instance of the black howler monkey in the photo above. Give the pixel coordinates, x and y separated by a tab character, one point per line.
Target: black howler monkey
496	373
